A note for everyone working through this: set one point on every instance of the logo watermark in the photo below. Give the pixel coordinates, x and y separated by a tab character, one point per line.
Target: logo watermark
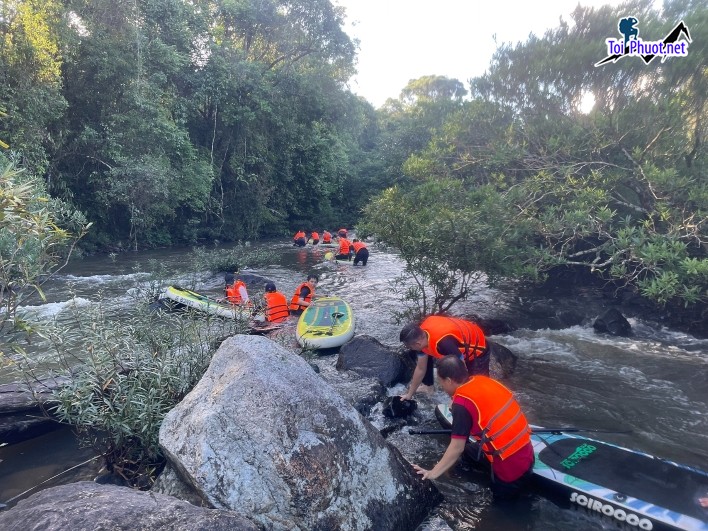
672	45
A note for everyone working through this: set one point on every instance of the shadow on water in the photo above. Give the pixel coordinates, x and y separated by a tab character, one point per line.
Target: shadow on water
652	383
52	459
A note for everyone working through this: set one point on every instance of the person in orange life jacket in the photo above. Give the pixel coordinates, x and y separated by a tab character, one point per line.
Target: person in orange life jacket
439	336
486	410
315	238
361	252
326	237
303	295
300	239
276	305
345	249
235	289
342	233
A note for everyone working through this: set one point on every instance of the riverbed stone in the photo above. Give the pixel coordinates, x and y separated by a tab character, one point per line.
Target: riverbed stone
611	321
502	361
263	434
87	506
362	393
370	358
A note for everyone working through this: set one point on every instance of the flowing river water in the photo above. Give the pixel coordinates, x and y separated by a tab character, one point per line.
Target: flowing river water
654	383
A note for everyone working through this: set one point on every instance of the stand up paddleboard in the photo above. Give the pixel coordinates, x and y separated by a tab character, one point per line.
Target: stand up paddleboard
636	490
179	298
327	323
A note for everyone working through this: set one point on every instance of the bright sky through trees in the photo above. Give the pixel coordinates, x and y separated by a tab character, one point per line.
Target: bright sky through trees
402	40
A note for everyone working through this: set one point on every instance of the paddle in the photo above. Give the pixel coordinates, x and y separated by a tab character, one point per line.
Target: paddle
533	430
335	316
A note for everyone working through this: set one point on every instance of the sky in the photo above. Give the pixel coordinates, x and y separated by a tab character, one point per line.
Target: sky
402	40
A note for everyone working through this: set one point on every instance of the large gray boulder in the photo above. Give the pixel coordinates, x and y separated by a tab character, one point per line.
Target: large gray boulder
87	506
263	434
368	357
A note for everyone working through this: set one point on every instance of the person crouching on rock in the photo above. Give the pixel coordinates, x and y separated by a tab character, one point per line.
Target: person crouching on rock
438	336
486	410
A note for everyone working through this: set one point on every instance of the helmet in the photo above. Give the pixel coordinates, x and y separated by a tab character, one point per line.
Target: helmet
269	286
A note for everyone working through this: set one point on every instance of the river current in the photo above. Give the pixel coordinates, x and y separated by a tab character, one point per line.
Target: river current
653	384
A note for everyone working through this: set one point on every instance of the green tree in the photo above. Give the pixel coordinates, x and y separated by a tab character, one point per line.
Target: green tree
619	191
37	235
450	239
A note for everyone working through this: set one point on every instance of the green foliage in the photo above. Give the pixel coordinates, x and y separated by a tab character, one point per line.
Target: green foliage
449	237
234	259
124	377
37	235
620	191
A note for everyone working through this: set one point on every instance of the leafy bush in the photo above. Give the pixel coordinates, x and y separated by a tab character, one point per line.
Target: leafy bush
123	377
239	257
37	236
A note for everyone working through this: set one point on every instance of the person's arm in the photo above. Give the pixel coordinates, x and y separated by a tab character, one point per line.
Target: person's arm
448	460
421	367
304	292
462	423
243	292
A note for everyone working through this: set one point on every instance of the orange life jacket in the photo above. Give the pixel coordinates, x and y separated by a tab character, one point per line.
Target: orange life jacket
471	337
299	235
344	246
293	302
504	429
358	246
326	237
276	307
232	292
315	236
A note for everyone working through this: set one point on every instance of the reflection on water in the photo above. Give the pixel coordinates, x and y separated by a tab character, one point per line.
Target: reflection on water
652	383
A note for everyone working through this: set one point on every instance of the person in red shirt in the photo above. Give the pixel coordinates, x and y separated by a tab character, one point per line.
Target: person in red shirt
276	305
303	295
486	410
345	249
438	336
300	239
361	252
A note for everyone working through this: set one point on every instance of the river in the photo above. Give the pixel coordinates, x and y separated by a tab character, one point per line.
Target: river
653	383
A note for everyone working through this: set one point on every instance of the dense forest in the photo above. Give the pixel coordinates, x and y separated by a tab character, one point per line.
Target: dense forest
168	122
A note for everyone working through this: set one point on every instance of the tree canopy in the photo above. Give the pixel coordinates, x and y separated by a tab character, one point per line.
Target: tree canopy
168	121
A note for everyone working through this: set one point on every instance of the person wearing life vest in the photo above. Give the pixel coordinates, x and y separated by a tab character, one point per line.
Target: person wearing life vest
437	336
326	237
235	290
361	252
345	249
342	233
303	295
315	237
300	239
276	305
487	411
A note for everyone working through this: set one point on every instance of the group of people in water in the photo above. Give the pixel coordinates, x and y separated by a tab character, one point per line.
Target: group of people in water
481	408
348	250
276	306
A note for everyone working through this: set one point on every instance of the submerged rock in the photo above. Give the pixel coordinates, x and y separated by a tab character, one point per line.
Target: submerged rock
613	322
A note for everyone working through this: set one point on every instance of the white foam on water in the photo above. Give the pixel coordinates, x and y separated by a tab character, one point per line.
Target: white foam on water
52	309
